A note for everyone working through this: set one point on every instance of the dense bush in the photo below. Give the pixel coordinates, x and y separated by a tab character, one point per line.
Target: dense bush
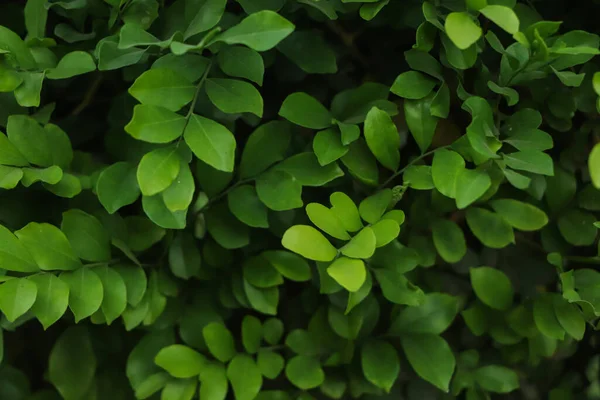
299	199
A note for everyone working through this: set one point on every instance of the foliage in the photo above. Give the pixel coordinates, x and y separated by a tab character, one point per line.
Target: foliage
299	199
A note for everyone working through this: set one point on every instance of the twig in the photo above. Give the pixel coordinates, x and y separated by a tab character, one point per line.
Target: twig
401	171
89	95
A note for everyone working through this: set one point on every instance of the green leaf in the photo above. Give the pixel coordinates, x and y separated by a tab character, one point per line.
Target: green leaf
272	330
270	363
461	29
446	168
511	95
490	228
227	230
9	155
382	138
471	184
412	85
531	161
373	207
260	31
190	66
85	292
440	104
361	163
279	190
262	300
180	389
290	265
9	177
530	139
328	146
349	273
219	341
247	207
380	363
184	257
16	46
418	177
492	287
233	96
265	146
260	273
48	246
497	379
156	209
163	88
72	363
151	385
213	382
570	317
569	78
242	62
180	194
420	121
29	92
244	377
72	64
434	316
17	296
305	168
545	318
211	142
117	186
577	227
180	361
252	6
36	15
304	372
397	289
520	215
449	240
309	243
155	124
14	256
158	169
87	236
431	358
386	230
594	165
346	211
360	246
502	16
202	15
251	333
326	220
135	282
304	110
310	52
114	299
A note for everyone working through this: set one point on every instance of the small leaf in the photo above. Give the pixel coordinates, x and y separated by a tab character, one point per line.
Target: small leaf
180	194
244	376
502	16
219	341
449	240
531	161
570	317
251	333
213	382
360	246
304	372
290	265
279	190
492	287
594	163
85	292
349	273
180	361
72	64
155	124
114	299
490	228
577	227
520	215
346	211
431	358
433	316
14	256
412	85
380	364
242	62
397	289
421	121
48	246
247	207
305	168
265	146
446	168
304	110
260	31
211	142
260	273
86	234
386	230
545	317
373	207
308	242
497	379
117	186
461	29
471	184
164	88
17	296
326	220
270	363
328	147
233	96
382	138
157	170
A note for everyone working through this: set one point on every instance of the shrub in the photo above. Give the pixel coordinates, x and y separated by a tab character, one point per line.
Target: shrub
299	199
